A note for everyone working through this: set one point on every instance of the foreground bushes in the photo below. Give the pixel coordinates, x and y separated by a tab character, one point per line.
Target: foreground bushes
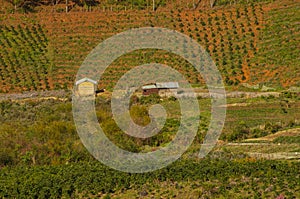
91	178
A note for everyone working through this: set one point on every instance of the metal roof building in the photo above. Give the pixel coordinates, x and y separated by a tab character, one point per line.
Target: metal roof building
86	87
160	88
168	85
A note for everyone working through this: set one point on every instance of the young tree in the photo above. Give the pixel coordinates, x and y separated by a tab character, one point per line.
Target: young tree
28	5
67	5
197	4
153	5
212	3
20	3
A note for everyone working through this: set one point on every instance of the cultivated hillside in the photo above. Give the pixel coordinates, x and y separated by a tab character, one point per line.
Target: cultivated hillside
254	43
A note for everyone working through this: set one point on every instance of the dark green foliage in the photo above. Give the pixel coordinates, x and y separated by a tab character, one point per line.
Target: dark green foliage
152	99
243	131
25	61
287	139
230	2
92	178
38	133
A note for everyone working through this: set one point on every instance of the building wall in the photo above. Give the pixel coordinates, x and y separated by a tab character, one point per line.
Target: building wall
163	92
86	88
150	91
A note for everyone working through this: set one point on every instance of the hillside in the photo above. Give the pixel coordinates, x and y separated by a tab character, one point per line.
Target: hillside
42	156
44	153
255	43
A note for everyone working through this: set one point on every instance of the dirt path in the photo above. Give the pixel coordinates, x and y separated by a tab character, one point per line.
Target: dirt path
276	156
61	95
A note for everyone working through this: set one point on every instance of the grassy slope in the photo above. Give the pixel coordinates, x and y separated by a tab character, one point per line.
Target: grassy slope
45	157
286	133
43	132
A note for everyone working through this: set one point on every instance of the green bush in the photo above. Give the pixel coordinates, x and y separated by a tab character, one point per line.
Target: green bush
92	178
287	139
151	99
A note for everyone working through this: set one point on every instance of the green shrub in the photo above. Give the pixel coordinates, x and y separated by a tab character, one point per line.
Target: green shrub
287	139
151	99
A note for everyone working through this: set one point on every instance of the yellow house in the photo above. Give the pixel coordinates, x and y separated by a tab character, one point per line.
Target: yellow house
86	87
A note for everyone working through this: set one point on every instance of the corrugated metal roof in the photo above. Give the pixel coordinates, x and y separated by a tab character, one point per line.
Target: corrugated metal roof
85	80
170	85
149	87
167	85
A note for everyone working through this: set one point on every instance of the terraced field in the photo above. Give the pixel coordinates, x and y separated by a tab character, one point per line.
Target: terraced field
47	54
255	44
24	61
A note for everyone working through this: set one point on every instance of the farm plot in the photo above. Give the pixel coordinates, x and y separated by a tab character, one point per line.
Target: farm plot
24	64
229	36
238	38
279	47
